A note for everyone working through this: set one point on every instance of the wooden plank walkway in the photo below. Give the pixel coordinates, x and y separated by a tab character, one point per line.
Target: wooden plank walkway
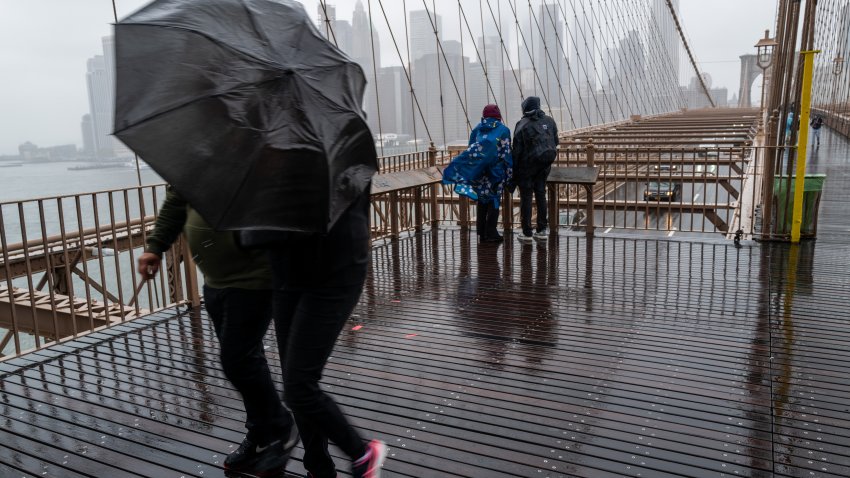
601	358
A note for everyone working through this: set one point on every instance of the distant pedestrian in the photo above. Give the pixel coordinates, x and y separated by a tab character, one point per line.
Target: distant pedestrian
817	123
238	300
482	171
789	125
535	148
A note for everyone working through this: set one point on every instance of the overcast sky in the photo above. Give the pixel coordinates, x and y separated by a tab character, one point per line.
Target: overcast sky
44	45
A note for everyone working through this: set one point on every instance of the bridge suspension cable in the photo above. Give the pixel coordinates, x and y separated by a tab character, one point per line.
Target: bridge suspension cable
589	62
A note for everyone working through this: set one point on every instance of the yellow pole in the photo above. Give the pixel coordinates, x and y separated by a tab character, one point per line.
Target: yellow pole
802	144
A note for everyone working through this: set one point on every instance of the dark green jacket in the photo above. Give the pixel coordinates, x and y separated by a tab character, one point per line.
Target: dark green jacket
223	263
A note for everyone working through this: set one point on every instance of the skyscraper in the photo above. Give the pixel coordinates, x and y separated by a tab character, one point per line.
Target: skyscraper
666	29
583	52
88	136
422	41
366	52
549	61
438	81
100	105
490	66
336	31
365	41
327	16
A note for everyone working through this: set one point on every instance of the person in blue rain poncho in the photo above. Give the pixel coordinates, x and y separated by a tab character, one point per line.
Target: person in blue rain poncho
482	171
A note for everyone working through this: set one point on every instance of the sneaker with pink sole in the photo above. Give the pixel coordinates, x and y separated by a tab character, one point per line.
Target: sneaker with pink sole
369	466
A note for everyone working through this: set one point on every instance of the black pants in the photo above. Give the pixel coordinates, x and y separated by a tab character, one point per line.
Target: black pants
533	185
308	319
241	318
487	220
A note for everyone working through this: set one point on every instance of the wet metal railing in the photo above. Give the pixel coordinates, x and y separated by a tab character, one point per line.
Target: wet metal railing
68	266
670	186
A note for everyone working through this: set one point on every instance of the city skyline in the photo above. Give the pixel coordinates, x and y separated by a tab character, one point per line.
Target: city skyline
49	100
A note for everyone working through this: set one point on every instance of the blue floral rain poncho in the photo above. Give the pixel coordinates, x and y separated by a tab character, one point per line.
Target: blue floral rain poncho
481	171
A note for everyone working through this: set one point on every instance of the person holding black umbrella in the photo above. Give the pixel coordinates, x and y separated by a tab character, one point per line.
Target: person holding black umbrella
258	123
238	299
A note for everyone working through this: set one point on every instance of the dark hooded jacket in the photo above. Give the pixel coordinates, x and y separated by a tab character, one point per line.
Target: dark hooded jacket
535	143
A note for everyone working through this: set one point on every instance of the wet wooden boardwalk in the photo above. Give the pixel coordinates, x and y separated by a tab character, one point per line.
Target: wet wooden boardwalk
615	357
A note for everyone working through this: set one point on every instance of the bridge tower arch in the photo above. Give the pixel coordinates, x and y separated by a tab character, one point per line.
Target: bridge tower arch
749	72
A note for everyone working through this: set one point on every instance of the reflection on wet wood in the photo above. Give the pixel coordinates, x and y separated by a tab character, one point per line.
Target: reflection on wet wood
609	357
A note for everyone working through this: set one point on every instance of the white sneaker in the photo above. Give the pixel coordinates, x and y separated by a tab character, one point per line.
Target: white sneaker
542	235
522	237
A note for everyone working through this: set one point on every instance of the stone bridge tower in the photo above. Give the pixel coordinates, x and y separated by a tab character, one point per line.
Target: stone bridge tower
749	72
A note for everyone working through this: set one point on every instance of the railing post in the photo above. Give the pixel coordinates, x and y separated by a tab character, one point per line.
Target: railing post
463	212
590	227
435	211
507	211
191	272
394	226
417	211
591	162
554	208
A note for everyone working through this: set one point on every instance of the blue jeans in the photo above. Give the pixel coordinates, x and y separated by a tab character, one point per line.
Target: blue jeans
241	319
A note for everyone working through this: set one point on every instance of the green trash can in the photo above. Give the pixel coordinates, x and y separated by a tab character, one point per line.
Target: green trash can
783	196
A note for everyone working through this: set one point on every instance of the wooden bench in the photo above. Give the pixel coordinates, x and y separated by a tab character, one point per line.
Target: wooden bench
585	176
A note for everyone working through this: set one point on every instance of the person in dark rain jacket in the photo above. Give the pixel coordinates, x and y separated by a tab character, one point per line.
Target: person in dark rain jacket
535	148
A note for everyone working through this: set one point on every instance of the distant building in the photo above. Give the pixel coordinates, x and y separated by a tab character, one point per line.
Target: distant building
64	152
549	62
87	127
487	71
336	31
442	109
327	15
695	96
583	53
422	38
100	83
396	108
30	152
100	104
366	52
666	30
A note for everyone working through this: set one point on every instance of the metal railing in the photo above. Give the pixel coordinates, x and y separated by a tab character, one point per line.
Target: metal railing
678	186
68	264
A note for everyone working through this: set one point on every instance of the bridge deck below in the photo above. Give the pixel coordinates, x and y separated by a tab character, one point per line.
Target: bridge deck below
596	358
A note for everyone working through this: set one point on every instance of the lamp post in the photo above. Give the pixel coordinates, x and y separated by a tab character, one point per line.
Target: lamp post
764	59
764	50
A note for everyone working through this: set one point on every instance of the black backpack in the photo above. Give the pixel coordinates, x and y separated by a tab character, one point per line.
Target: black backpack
541	136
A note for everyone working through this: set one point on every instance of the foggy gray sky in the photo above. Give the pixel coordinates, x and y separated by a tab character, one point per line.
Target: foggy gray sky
44	45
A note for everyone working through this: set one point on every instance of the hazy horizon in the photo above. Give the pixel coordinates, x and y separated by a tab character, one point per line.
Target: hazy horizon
46	44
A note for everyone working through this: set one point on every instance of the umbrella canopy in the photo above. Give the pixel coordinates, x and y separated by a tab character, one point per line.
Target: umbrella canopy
246	110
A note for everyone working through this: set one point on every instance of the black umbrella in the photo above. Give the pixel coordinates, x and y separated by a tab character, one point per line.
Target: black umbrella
246	110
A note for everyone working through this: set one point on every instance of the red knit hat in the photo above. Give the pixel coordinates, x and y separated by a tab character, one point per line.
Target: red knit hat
492	111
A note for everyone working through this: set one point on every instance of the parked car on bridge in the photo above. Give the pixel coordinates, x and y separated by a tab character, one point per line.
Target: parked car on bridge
662	191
